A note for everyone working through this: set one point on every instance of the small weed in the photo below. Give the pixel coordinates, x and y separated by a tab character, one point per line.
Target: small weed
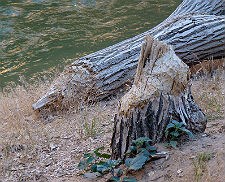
139	153
96	164
200	164
90	128
174	130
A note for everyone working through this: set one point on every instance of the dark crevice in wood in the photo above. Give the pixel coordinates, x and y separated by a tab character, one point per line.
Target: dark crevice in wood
151	114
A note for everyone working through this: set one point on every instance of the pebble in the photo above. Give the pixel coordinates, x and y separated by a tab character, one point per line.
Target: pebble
180	172
53	146
204	135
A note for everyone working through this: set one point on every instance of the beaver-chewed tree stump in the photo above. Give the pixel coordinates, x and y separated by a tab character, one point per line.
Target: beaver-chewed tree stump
160	93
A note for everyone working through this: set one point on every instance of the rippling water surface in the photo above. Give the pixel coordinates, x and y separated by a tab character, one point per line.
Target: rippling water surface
38	35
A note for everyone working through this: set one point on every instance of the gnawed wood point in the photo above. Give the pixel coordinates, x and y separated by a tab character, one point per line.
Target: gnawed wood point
160	93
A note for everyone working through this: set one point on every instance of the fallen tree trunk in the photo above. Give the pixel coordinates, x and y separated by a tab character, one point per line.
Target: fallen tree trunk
160	93
96	76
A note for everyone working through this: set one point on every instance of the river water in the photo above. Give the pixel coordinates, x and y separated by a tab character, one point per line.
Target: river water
36	36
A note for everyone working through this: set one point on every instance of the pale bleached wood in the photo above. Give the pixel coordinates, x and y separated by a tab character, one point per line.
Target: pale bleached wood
160	93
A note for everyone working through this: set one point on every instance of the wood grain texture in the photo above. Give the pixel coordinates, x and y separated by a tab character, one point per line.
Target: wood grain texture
160	93
196	30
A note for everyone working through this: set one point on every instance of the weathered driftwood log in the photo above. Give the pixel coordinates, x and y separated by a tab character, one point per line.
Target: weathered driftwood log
96	76
160	93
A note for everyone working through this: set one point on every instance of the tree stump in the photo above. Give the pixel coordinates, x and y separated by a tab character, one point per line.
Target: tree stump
160	93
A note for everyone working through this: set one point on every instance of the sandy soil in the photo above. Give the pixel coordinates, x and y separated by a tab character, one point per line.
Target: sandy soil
180	166
31	150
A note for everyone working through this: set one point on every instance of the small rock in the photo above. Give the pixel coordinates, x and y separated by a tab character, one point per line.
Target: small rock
92	175
180	172
151	173
204	135
53	146
17	148
160	161
153	176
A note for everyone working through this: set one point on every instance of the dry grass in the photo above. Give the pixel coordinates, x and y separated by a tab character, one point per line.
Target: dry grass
28	145
16	111
200	164
210	95
24	138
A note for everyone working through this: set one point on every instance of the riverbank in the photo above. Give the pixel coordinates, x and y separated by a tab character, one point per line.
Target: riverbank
31	149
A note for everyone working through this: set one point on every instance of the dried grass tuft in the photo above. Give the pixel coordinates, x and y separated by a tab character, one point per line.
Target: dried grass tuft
209	93
24	134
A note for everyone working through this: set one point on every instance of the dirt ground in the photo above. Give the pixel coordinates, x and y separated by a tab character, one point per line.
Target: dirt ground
32	150
182	164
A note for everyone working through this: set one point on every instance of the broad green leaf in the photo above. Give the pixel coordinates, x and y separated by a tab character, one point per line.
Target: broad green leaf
115	178
180	124
103	168
105	156
102	155
85	163
144	152
88	155
94	168
118	172
136	163
96	151
175	122
129	179
140	141
151	148
175	133
100	163
188	132
170	125
82	165
113	163
133	148
128	161
90	159
152	153
173	144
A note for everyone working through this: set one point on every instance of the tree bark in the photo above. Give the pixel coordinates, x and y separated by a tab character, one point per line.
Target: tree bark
96	76
160	93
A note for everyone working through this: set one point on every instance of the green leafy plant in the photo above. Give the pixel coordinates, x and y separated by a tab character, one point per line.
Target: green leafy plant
95	161
174	130
97	164
139	153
